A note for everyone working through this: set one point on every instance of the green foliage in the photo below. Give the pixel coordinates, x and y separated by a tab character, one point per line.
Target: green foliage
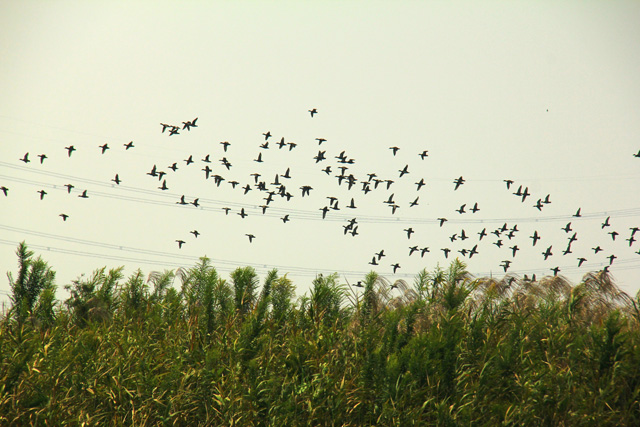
450	350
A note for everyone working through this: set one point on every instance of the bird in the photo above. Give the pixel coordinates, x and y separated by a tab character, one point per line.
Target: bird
267	135
581	260
292	145
42	157
180	243
153	171
567	228
461	209
320	140
195	202
104	147
225	144
538	205
83	195
414	203
547	253
514	249
324	211
116	180
475	208
482	233
70	149
394	149
613	234
174	131
358	285
164	126
25	158
509	182
42	194
64	216
313	111
420	184
129	145
458	182
573	238
174	167
259	159
188	125
251	237
206	159
182	201
535	237
637	154
352	205
242	213
463	236
409	232
395	266
226	210
611	258
164	185
577	214
373	261
446	252
525	194
546	200
404	171
189	160
305	190
555	270
606	222
423	154
597	249
442	221
285	218
5	190
423	251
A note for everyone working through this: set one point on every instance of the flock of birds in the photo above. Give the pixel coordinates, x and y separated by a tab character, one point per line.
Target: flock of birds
338	167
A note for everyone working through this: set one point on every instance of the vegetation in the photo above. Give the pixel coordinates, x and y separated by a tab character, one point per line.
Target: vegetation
191	348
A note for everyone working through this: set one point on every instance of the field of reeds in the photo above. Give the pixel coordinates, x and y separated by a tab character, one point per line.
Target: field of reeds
189	347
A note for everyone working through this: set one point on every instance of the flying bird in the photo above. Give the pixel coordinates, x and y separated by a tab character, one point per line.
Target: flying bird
83	195
320	140
196	233
225	144
251	237
180	243
25	158
42	194
129	145
313	111
104	147
64	216
458	182
394	149
5	190
116	180
42	157
424	154
395	266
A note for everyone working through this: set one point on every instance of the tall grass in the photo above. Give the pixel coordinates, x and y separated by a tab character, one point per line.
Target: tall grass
448	349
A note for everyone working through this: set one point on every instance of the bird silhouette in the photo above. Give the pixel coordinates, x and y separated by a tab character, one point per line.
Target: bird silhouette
611	258
320	140
70	149
251	237
424	154
285	218
129	145
373	261
42	194
5	190
446	252
404	171
206	159
313	111
195	233
414	203
535	237
104	147
259	159
509	182
577	214
180	243
42	157
182	201
64	216
597	249
242	213
547	253
637	154
606	222
116	180
164	185
189	160
461	209
458	182
442	221
174	131
394	149
482	233
555	270
613	234
267	135
409	232
420	184
475	208
395	266
567	228
174	167
83	195
581	261
25	158
164	126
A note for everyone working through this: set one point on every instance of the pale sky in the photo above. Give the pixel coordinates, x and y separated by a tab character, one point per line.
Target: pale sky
542	93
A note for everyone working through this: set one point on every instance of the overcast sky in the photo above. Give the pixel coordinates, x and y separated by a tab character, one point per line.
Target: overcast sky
545	94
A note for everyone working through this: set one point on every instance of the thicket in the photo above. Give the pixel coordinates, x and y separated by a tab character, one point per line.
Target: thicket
189	347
